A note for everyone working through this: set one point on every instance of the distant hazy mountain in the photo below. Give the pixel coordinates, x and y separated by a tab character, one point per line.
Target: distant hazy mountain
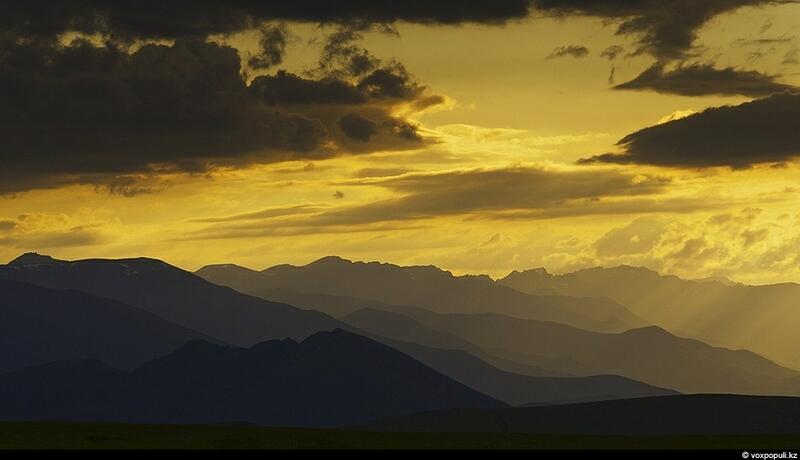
517	389
175	295
426	287
39	325
329	379
658	416
764	319
650	355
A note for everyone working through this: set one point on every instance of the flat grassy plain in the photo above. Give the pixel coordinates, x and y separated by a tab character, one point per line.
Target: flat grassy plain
38	435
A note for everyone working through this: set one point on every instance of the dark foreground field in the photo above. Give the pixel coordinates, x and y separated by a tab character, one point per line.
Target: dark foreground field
122	436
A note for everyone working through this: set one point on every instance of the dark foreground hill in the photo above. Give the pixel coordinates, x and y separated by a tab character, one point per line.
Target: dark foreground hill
329	379
175	295
659	416
424	287
39	325
54	435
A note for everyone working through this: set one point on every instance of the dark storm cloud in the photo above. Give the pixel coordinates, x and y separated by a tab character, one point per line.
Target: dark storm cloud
83	110
357	127
576	51
665	28
762	131
705	79
88	114
285	88
179	18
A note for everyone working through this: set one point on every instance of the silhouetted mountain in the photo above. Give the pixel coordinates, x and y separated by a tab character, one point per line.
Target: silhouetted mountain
329	379
334	305
763	319
39	325
650	355
658	416
175	295
400	327
426	287
517	389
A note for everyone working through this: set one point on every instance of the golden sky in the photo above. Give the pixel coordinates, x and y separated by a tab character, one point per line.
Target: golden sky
494	184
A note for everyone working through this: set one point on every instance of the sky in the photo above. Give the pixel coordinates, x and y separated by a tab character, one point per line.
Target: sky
479	138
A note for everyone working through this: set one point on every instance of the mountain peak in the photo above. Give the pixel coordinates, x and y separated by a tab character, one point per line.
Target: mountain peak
331	260
34	258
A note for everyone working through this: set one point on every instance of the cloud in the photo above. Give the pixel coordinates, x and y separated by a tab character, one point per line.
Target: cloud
357	127
181	18
575	51
738	136
612	52
36	231
81	113
639	236
540	191
792	57
666	29
704	79
272	46
763	41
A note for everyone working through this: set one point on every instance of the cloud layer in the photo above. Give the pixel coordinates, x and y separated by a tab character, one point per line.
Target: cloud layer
99	114
704	79
762	131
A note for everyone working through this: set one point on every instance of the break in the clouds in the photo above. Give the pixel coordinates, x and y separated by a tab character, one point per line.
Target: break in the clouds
705	79
761	131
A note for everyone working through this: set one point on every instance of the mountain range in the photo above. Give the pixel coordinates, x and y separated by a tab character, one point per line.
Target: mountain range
329	379
763	319
174	295
340	343
40	325
651	354
424	287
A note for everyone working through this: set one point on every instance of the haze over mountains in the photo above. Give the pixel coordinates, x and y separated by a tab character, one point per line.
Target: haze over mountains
764	319
337	343
651	355
175	295
75	324
425	287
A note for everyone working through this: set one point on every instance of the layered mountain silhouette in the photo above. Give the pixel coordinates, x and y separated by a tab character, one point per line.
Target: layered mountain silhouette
329	379
518	389
425	287
651	355
764	319
39	325
174	295
658	416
